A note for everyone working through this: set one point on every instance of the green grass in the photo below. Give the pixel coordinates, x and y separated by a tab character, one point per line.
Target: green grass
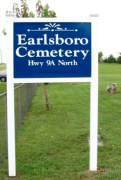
2	87
53	145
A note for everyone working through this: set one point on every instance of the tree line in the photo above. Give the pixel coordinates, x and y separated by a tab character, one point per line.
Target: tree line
109	59
24	11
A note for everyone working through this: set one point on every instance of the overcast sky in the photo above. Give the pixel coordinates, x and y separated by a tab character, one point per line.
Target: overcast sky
109	19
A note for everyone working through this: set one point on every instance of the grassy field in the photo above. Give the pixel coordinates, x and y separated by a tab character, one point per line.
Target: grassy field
53	145
2	85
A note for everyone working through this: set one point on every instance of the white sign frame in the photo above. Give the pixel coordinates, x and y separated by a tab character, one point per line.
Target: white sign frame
93	92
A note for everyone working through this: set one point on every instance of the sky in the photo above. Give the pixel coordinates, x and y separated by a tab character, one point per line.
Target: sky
108	11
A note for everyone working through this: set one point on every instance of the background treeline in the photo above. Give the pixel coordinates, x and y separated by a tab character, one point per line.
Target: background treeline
109	59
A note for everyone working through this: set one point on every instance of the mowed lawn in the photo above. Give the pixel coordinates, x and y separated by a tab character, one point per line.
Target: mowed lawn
53	145
2	85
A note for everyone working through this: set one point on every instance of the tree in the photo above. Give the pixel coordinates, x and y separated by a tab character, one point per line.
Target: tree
111	59
23	10
119	59
100	57
48	13
41	11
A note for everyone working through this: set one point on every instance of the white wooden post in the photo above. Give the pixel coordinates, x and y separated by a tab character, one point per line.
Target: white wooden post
10	107
94	102
11	128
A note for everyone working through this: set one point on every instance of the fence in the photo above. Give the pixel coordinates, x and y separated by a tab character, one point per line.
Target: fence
3	140
23	98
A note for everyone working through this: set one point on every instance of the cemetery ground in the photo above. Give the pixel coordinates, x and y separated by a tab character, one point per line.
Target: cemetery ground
2	85
54	144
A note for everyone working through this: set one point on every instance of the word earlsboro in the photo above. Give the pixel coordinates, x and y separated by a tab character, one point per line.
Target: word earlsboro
24	43
56	40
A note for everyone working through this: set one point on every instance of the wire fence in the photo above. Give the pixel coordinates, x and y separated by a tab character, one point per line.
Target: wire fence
3	128
23	98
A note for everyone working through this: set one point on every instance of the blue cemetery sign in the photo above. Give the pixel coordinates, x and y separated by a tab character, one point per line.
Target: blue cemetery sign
52	50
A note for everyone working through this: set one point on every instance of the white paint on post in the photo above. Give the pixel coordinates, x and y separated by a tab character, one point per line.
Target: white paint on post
10	107
11	128
94	102
52	80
